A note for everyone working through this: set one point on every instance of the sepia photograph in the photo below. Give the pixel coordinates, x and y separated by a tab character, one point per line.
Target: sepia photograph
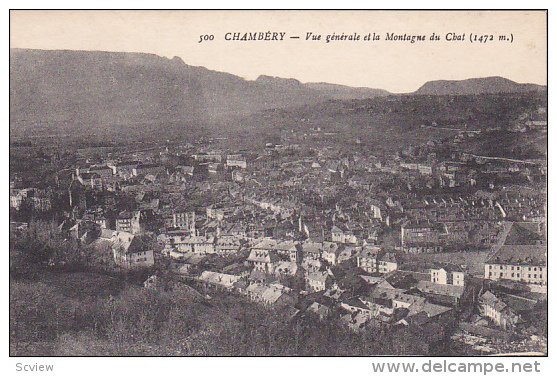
278	183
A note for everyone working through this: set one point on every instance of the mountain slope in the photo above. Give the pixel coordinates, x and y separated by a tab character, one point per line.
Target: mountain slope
85	92
346	92
487	85
396	121
73	89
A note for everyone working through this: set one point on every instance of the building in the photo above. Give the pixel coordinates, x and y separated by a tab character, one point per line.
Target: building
367	258
179	246
38	199
91	179
387	262
273	295
217	213
17	196
236	160
418	233
442	293
103	171
447	275
497	311
319	281
520	263
339	235
331	252
180	219
520	255
227	245
321	310
290	250
208	157
131	251
219	280
147	169
124	169
312	250
130	222
263	256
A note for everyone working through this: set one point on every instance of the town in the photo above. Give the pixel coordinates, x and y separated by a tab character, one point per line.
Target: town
428	241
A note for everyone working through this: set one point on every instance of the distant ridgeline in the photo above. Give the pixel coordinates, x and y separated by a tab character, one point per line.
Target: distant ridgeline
72	93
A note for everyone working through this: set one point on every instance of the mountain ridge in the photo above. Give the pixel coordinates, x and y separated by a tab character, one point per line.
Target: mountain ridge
103	88
72	91
480	85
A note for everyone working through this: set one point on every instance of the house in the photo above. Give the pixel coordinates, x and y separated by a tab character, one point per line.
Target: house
378	209
214	168
331	252
214	212
422	168
99	217
387	263
286	268
355	305
519	255
107	234
420	237
258	276
380	282
239	268
289	249
238	176
131	251
367	258
124	169
319	281
219	280
446	293
208	157
85	231
311	265
321	310
390	299
236	160
180	219
104	171
91	179
344	235
448	274
403	300
497	311
227	245
263	256
274	295
203	245
278	295
356	321
418	319
41	200
186	170
176	246
190	263
148	169
130	222
347	253
312	250
17	196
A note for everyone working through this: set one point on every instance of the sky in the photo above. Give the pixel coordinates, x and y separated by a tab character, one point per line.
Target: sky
397	66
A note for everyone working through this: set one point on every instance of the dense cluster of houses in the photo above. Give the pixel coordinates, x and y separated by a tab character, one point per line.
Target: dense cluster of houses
321	231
